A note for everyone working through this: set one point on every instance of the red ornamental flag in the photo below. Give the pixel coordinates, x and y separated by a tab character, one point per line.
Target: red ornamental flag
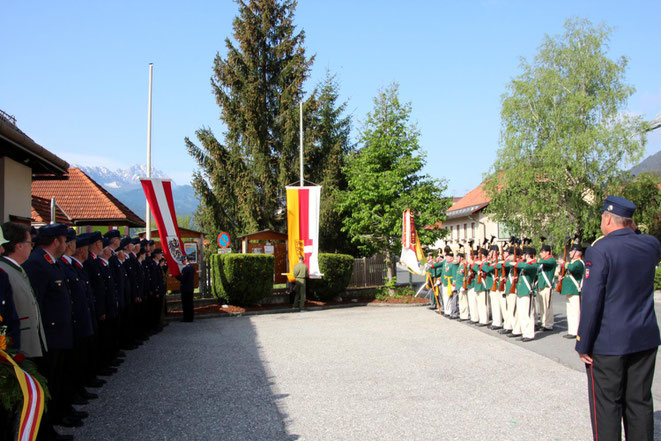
303	228
159	196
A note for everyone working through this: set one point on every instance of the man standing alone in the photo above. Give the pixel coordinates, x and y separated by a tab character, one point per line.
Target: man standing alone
301	275
618	335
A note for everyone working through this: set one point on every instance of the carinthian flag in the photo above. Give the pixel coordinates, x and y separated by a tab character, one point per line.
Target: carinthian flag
303	228
159	196
412	253
33	401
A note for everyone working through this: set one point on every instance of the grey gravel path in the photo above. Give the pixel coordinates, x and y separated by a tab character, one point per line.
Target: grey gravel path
347	374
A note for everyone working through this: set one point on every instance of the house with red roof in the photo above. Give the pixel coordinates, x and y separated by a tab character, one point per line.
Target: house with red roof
84	203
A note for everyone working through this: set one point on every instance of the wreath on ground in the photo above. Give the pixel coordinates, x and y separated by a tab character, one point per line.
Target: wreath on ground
11	396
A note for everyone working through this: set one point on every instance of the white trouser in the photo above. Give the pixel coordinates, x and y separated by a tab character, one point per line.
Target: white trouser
447	293
472	305
496	311
483	307
573	313
526	317
510	312
463	304
544	307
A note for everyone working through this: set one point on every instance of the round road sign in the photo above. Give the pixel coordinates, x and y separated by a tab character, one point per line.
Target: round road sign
223	240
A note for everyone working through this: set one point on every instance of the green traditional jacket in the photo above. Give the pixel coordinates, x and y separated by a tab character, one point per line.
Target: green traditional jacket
508	269
546	272
527	277
459	276
488	270
437	269
499	271
479	287
575	269
449	270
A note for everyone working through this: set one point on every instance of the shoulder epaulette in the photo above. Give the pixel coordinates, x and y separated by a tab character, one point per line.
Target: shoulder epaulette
597	239
48	258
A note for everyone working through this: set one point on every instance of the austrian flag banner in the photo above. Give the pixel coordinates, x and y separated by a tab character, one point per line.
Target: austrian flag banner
303	228
159	196
33	401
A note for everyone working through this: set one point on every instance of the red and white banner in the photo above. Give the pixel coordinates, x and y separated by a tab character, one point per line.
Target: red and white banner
33	401
412	254
159	196
303	228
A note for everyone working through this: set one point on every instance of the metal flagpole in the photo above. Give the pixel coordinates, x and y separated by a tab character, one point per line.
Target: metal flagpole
301	149
147	212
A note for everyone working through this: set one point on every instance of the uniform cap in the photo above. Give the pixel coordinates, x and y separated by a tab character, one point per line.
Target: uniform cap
484	251
545	248
71	234
52	230
157	251
493	248
577	247
135	240
110	234
529	250
462	255
83	239
95	236
151	242
122	244
106	241
144	242
619	206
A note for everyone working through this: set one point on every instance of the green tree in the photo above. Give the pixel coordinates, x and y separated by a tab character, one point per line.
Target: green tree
644	191
326	152
258	86
564	136
384	178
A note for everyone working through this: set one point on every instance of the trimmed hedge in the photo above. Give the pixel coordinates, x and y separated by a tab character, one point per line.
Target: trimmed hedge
657	279
337	269
241	279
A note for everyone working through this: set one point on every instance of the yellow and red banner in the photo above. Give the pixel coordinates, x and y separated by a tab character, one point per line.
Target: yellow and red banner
303	228
33	401
412	253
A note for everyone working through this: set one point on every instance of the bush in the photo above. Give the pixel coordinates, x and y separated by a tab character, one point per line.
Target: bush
337	269
241	279
657	279
401	292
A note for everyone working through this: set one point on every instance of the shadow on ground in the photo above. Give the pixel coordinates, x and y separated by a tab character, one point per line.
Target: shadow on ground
193	381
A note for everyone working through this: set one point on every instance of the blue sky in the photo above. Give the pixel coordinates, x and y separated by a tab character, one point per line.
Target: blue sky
75	74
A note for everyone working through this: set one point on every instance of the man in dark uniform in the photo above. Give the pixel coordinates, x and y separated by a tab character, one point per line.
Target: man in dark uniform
7	308
49	284
187	279
158	286
618	335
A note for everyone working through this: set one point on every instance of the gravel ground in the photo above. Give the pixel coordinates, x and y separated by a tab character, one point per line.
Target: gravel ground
346	374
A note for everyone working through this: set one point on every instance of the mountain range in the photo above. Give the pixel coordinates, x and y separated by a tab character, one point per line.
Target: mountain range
651	164
125	186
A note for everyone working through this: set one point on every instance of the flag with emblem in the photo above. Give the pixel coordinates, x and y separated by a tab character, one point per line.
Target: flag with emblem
161	204
303	228
412	254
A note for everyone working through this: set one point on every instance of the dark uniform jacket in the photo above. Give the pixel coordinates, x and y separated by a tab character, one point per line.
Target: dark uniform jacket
91	303
50	287
112	295
8	312
133	269
187	279
98	287
80	310
120	278
617	304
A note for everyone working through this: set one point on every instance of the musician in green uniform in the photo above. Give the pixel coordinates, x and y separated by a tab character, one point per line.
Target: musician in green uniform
481	288
525	305
572	284
546	271
504	285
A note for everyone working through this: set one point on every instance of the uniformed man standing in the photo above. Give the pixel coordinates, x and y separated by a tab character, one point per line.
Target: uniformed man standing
618	335
525	302
546	272
571	288
301	275
187	287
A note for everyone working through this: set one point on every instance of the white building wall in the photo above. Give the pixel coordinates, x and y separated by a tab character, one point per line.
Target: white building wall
476	226
15	189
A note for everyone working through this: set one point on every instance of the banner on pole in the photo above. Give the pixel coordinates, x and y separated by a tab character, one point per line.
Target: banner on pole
159	196
303	228
412	254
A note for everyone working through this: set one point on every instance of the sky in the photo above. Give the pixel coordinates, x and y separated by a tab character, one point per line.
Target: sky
75	74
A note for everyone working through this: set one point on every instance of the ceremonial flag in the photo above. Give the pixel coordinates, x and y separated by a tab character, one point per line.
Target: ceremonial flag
303	228
159	196
412	253
33	401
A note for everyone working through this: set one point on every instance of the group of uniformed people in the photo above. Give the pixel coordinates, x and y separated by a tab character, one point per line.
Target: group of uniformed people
509	289
78	302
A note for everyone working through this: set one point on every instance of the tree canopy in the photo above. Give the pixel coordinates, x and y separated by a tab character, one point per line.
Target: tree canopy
565	136
384	178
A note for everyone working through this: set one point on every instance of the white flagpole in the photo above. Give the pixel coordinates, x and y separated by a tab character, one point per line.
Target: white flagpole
301	149
147	212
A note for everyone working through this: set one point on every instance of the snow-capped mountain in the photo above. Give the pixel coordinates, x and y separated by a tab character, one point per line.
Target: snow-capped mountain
125	186
127	179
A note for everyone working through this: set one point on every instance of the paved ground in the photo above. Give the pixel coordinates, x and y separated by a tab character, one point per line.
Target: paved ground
363	373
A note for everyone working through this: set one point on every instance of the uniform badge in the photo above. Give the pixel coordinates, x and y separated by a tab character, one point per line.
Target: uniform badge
610	208
587	269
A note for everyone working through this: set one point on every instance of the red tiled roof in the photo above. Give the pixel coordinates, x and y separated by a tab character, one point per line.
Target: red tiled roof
41	212
85	201
475	197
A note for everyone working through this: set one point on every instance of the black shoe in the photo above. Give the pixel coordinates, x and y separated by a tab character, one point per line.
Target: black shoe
88	395
70	422
116	362
481	325
524	339
105	372
505	331
79	414
474	323
569	336
121	354
95	382
495	328
513	335
454	318
546	329
62	437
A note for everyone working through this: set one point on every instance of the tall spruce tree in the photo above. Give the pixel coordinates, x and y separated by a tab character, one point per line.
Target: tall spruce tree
258	86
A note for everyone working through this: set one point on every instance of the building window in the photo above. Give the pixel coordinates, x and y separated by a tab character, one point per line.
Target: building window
472	230
465	231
